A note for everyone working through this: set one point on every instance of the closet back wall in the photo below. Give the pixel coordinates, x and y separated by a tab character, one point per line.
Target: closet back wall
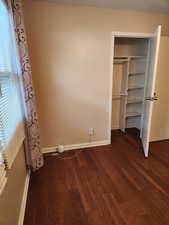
70	56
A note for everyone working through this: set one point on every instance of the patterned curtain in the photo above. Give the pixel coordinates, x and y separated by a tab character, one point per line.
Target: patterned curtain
32	143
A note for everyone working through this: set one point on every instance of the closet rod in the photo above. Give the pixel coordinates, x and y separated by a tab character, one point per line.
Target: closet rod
120	61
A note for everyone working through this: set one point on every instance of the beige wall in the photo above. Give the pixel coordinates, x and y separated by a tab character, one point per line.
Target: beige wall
10	200
70	56
160	118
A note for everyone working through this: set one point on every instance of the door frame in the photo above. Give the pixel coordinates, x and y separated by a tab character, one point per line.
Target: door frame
113	36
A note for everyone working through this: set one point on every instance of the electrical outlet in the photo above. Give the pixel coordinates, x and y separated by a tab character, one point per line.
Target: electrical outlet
91	131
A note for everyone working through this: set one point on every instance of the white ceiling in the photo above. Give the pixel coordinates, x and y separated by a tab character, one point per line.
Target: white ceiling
160	6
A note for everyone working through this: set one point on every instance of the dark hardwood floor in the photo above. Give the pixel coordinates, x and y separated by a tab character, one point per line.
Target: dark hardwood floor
109	185
133	132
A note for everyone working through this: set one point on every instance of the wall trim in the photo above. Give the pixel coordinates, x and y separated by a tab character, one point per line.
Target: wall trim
24	200
77	146
159	140
111	87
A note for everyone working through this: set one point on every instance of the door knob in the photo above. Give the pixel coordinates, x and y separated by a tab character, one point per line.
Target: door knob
154	98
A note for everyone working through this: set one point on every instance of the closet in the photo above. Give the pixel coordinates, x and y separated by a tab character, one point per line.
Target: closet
134	72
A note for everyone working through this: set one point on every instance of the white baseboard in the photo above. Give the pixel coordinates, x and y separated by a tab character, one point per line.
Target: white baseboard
77	146
24	199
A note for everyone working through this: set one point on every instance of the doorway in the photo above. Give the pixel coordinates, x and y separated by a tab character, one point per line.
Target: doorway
135	58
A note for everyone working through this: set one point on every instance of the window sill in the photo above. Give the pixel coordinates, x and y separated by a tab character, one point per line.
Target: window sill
13	147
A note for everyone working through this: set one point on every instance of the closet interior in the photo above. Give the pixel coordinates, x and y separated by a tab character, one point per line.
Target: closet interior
130	71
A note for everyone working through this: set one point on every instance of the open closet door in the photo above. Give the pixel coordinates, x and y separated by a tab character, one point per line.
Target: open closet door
150	96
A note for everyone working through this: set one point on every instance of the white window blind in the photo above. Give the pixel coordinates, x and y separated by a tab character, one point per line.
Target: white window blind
11	117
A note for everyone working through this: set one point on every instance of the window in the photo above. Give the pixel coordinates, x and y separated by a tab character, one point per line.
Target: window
10	106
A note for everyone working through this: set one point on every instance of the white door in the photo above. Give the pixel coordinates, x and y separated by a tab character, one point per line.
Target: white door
160	117
150	89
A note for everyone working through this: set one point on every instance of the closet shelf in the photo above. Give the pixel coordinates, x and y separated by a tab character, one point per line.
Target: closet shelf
136	74
132	114
135	87
134	100
138	57
119	61
130	57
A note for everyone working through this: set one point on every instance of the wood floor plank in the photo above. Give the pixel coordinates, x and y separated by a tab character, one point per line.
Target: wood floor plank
108	185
